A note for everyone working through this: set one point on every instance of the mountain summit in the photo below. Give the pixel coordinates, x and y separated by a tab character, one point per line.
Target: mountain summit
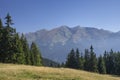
55	44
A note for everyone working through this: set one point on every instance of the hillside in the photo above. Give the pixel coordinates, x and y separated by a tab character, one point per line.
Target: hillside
22	72
56	43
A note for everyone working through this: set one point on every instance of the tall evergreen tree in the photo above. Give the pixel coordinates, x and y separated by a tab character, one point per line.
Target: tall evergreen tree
117	63
106	59
7	40
1	37
78	59
8	20
87	60
71	60
109	62
35	55
18	55
1	25
26	50
101	65
93	60
82	61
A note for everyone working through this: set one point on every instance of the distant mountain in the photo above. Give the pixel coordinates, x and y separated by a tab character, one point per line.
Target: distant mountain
55	44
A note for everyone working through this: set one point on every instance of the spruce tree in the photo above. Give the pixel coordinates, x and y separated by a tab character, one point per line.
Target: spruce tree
71	60
93	60
101	65
117	61
26	50
78	59
82	60
112	62
1	37
87	60
1	25
7	40
35	55
8	20
18	51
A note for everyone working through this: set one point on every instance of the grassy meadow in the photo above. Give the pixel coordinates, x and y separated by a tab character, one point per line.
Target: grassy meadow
23	72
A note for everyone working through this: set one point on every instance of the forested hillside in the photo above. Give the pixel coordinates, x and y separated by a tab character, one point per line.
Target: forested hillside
108	63
15	49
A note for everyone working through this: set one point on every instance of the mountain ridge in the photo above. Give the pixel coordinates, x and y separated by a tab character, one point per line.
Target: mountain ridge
56	43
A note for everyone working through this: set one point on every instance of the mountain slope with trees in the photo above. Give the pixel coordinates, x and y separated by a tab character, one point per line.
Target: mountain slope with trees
15	49
52	42
109	63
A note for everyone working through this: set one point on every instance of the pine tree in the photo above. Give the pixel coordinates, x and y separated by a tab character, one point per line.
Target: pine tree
18	51
82	60
1	37
93	60
7	40
11	49
1	25
101	65
117	62
112	62
71	60
8	20
87	60
78	59
35	55
26	50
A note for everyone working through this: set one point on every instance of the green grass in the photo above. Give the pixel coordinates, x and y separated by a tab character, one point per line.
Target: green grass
23	72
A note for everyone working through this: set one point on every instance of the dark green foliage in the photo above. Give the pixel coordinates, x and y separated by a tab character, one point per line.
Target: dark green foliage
35	55
26	50
117	63
87	60
108	64
90	63
112	62
74	60
8	20
15	49
1	25
93	61
1	37
101	65
18	50
78	60
82	60
7	41
71	60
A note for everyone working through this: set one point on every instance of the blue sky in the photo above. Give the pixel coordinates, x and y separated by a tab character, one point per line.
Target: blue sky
33	15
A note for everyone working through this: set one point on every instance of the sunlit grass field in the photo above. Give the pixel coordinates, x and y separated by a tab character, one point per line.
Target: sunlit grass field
23	72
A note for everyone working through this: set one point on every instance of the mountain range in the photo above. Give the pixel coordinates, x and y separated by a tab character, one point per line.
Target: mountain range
56	43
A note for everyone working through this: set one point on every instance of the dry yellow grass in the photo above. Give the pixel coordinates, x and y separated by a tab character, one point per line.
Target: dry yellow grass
23	72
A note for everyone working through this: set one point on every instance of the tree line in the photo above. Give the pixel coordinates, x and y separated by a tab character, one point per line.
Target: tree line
108	63
15	48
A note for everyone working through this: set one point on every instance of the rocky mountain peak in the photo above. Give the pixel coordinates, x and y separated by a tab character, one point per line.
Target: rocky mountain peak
56	43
